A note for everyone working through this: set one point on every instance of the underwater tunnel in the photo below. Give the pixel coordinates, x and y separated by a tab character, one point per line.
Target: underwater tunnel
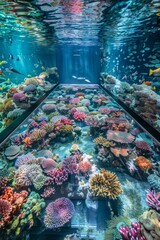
80	120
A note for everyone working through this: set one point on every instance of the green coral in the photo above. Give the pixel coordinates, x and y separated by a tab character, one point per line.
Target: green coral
29	212
114	224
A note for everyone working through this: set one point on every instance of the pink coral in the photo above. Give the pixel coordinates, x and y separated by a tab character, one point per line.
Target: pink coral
79	116
58	213
153	199
70	164
5	211
75	100
133	233
85	166
48	191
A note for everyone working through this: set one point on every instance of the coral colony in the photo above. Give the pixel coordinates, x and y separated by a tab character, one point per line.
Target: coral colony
77	150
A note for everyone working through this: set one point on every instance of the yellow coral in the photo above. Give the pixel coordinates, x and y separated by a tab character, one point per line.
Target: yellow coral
103	142
105	184
66	128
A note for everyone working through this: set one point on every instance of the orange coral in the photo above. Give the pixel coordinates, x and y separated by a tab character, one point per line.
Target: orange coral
13	201
120	151
85	166
143	163
27	142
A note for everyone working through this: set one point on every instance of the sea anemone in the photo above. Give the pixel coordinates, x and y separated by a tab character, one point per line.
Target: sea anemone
58	213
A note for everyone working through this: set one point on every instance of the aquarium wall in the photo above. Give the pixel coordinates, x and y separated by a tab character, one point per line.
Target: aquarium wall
131	59
78	64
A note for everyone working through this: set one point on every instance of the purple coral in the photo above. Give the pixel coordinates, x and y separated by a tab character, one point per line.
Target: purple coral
58	176
49	108
70	164
58	213
93	121
24	159
133	233
153	199
19	97
142	145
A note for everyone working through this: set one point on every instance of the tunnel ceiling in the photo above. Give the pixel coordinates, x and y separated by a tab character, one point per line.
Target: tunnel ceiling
78	22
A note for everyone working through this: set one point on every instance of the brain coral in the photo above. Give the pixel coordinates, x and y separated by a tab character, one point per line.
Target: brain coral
105	184
58	213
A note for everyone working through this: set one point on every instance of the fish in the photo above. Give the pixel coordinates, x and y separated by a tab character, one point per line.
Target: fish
11	56
29	75
3	62
17	59
155	72
148	83
2	73
9	80
43	68
86	80
36	65
12	70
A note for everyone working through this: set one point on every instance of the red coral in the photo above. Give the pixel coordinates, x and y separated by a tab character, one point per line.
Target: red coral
14	198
